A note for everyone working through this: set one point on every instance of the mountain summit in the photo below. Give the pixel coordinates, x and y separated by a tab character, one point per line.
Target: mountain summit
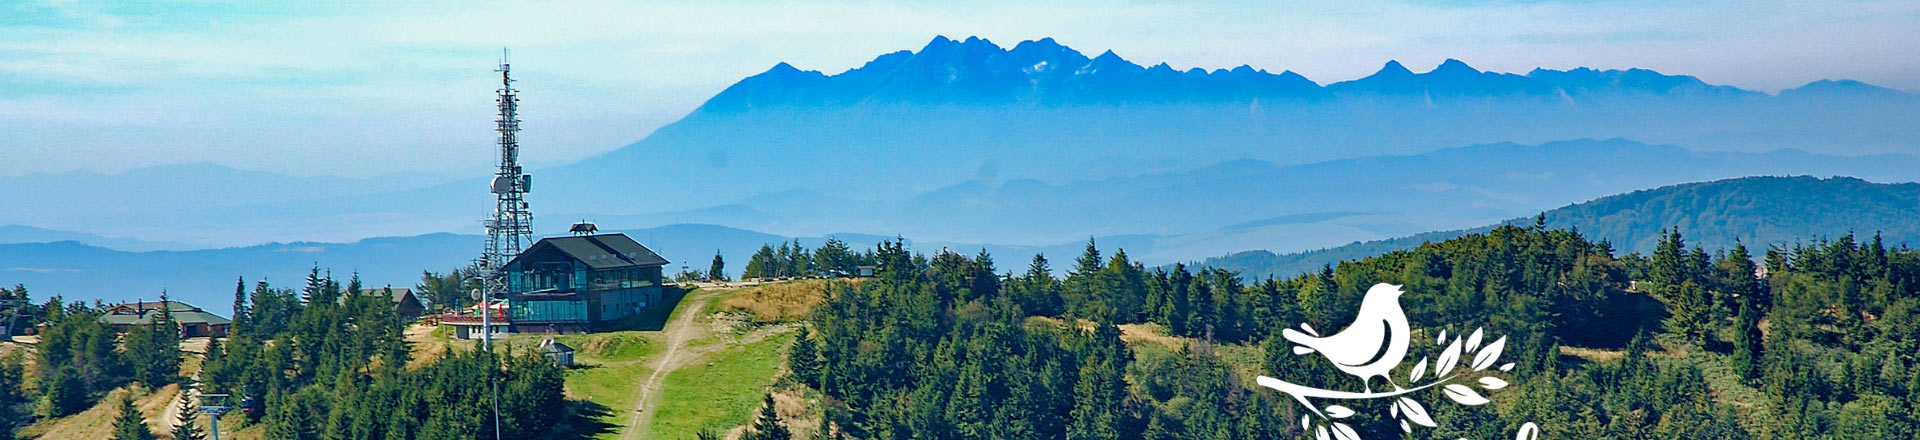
1044	72
978	71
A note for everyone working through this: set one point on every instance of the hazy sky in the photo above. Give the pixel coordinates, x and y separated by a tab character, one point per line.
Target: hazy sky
366	88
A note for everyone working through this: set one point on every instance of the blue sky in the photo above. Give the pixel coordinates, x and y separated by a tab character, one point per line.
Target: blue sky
368	88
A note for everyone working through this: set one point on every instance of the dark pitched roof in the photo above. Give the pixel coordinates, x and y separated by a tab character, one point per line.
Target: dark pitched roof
603	251
143	313
143	306
400	294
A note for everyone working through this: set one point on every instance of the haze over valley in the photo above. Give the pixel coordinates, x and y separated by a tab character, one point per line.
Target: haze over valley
1064	220
1030	147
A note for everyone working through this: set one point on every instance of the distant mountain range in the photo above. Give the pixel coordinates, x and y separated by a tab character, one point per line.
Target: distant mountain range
967	144
954	111
1243	204
962	139
1044	72
199	205
1754	211
11	234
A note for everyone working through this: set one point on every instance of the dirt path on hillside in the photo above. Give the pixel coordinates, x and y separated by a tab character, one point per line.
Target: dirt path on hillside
170	414
678	333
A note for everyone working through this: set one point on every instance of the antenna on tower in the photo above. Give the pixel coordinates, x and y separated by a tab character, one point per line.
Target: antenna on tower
510	229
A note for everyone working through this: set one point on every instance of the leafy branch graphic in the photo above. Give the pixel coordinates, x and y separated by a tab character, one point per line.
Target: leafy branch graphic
1455	383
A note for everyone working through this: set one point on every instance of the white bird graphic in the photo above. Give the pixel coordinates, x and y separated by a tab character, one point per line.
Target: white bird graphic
1371	346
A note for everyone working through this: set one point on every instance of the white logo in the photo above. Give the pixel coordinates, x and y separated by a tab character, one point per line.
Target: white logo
1372	346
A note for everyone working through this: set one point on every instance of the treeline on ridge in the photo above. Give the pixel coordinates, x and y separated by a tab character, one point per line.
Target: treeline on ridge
946	346
324	362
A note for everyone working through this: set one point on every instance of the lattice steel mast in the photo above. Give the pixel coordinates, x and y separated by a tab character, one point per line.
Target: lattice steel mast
511	228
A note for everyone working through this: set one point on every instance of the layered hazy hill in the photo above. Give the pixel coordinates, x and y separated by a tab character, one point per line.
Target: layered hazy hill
1754	211
969	144
970	141
1757	211
205	277
1251	204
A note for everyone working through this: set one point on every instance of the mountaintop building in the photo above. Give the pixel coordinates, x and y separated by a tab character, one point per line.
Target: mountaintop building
193	321
574	284
405	302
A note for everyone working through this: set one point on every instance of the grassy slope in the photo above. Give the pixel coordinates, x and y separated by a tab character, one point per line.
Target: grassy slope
781	302
97	422
723	392
722	389
608	365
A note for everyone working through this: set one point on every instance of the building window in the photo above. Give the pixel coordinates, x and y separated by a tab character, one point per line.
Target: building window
625	278
546	276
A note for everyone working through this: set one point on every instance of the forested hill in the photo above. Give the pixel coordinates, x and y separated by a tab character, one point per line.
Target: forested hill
1668	345
1757	211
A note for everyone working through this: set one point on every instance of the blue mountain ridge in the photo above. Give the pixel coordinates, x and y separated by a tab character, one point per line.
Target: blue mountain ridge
1040	146
955	110
1043	71
1756	212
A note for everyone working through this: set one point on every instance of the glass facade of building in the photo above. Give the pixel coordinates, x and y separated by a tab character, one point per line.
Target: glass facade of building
583	280
549	310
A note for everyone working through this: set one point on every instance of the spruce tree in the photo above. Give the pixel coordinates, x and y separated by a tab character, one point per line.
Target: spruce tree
184	415
164	361
1089	261
804	360
799	263
239	323
12	378
289	419
718	270
1039	291
767	426
1100	393
153	350
66	393
1691	312
1082	291
130	425
1746	341
762	265
986	283
1667	269
782	264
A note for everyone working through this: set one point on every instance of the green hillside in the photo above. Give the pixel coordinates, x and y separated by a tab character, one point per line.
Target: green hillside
1678	344
1756	211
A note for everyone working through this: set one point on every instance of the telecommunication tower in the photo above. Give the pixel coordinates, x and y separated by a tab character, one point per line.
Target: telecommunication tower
511	228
